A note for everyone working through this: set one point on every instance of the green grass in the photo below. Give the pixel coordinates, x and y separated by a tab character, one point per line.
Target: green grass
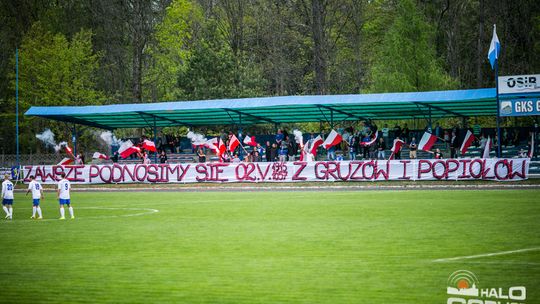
269	247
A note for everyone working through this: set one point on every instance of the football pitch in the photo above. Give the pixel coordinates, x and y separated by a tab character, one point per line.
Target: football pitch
270	247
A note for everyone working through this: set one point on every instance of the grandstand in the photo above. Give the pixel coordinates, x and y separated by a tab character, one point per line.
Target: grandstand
238	113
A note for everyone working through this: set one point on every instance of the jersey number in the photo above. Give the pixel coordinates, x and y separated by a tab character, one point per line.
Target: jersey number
66	186
10	187
37	187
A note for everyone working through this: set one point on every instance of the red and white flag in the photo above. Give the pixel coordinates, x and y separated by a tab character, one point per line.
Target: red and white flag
127	148
211	144
316	143
371	142
398	143
233	143
427	141
221	148
65	161
98	155
467	142
333	139
250	141
531	151
149	145
487	148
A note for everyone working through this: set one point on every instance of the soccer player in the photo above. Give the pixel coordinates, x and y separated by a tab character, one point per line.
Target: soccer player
37	194
7	197
63	196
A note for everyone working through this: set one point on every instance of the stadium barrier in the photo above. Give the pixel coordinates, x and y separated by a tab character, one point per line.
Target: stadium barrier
374	170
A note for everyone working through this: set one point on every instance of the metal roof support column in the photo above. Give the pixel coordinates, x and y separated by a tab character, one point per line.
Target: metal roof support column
429	120
332	119
74	139
155	140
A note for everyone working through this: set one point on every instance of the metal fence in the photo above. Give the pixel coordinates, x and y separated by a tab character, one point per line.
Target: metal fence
10	160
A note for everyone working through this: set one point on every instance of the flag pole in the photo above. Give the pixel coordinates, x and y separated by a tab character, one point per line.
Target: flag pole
17	103
499	141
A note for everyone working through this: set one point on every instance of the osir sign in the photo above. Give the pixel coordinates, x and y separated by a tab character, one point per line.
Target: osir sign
519	84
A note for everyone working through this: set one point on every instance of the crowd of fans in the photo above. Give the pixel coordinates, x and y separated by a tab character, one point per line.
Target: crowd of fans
283	146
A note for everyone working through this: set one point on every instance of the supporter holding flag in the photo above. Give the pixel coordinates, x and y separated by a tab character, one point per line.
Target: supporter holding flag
98	155
149	145
427	141
370	140
127	148
317	142
221	149
250	141
396	149
467	142
233	143
333	139
212	144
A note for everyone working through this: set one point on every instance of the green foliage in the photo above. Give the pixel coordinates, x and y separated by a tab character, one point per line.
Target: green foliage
406	60
58	71
172	48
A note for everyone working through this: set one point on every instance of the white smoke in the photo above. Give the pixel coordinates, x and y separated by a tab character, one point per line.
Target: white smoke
60	146
196	139
298	137
47	137
110	139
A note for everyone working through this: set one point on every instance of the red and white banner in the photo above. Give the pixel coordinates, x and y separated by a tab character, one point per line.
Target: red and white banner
371	142
233	143
98	155
149	145
250	141
427	141
398	143
467	141
333	139
127	148
348	171
221	148
317	142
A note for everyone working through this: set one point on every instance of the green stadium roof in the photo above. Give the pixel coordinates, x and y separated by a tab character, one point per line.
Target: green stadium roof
282	109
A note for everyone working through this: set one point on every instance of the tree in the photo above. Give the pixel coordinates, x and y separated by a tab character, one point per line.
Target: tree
212	71
170	50
58	71
406	59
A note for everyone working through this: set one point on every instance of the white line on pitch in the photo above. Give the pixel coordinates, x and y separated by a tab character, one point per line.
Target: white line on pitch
486	255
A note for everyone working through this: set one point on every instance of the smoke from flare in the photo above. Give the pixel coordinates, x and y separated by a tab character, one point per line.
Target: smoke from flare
110	139
47	137
196	139
298	137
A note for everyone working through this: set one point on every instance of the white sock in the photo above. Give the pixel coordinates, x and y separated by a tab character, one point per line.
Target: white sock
39	211
6	210
61	211
10	212
71	211
34	211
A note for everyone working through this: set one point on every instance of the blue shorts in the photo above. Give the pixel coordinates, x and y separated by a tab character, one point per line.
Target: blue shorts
64	201
35	202
7	201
